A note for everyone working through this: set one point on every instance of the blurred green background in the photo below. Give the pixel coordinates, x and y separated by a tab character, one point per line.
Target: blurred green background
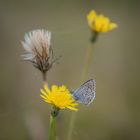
115	114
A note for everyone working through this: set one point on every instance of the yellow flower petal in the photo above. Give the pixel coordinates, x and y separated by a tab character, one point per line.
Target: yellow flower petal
62	88
47	101
113	25
99	23
46	88
72	108
54	88
43	92
44	97
59	97
91	15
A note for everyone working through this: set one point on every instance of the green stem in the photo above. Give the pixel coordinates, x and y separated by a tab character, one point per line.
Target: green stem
72	121
52	130
89	56
52	127
87	64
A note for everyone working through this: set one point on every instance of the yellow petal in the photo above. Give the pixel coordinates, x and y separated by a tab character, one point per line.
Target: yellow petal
44	97
43	92
91	15
48	101
74	104
113	25
46	88
62	88
99	23
54	88
59	97
72	108
91	18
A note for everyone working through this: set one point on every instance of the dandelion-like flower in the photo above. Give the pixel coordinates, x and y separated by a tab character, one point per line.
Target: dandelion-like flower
37	44
99	23
59	97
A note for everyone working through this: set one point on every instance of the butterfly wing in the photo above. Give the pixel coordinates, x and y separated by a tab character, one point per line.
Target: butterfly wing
85	93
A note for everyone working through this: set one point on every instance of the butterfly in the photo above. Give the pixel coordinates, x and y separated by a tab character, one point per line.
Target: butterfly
85	94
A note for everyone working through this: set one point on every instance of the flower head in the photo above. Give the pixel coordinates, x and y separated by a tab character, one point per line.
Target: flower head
99	23
37	43
59	97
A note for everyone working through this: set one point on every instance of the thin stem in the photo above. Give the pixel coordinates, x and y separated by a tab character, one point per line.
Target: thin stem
88	61
89	56
72	121
52	127
87	64
44	74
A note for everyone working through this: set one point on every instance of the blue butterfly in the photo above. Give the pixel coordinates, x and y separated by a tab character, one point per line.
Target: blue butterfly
85	94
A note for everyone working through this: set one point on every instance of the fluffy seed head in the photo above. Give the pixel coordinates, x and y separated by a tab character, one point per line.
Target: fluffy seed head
37	44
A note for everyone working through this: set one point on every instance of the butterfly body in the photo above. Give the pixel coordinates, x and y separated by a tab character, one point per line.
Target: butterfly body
85	94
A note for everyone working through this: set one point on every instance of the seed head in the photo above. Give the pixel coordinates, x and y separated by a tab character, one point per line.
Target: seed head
37	44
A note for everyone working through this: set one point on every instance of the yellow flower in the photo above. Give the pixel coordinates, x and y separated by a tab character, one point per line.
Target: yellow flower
59	97
99	23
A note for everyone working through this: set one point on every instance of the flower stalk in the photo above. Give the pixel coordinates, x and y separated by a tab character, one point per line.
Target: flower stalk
44	75
97	24
87	63
52	130
89	55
